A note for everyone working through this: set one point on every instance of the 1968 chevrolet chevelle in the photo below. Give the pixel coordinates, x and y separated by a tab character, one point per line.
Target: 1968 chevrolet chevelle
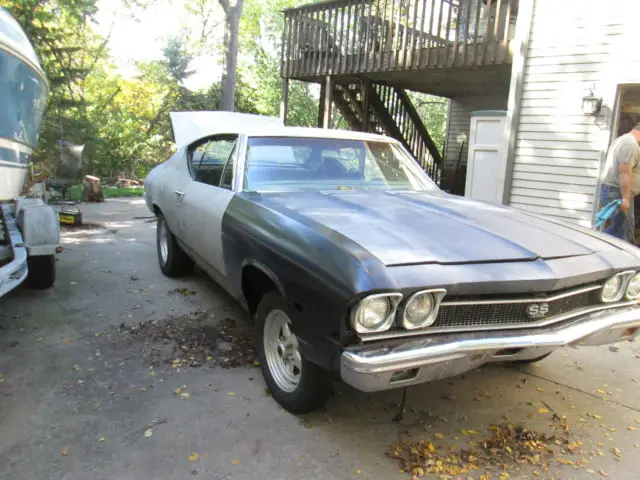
355	265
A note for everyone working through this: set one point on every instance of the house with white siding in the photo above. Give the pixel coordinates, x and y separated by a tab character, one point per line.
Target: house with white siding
562	76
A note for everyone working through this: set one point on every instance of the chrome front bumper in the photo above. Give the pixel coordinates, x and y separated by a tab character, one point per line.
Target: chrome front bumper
400	363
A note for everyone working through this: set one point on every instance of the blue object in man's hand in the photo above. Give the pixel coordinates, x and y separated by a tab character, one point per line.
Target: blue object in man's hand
607	212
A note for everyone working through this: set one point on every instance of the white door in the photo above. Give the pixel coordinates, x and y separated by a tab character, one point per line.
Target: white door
207	196
487	158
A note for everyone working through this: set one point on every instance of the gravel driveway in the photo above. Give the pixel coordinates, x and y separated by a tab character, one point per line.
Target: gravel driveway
121	373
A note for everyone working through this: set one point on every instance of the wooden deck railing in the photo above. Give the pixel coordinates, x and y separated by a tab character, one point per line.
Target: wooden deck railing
368	36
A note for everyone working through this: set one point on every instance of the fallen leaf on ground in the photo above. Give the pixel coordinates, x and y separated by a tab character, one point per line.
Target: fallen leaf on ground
593	415
185	395
64	452
540	389
235	462
101	440
148	432
599	390
194	456
543	410
601	472
438	435
68	340
232	394
358	472
185	292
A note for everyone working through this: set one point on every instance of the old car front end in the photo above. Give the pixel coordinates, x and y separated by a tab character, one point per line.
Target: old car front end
430	334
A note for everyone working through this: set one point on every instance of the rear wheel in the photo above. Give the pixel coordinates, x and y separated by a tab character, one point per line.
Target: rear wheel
174	262
297	384
42	271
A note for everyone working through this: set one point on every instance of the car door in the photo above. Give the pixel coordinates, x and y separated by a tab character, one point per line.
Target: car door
206	198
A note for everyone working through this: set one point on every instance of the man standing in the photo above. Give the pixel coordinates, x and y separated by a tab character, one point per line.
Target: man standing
620	180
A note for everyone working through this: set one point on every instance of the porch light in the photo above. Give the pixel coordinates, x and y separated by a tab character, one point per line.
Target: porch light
591	104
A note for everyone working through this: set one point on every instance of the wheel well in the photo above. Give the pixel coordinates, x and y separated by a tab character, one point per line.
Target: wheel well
156	210
255	283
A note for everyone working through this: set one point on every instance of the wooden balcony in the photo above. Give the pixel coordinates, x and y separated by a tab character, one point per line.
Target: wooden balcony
461	44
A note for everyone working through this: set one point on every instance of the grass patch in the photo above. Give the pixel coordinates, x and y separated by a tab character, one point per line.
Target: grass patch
75	192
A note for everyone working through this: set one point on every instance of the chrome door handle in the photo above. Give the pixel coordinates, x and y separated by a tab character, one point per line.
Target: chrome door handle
179	193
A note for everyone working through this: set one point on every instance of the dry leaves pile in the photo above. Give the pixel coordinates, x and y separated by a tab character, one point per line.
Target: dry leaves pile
197	339
507	448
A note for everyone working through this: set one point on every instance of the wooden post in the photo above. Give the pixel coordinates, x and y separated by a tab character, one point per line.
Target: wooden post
328	102
284	102
323	90
366	85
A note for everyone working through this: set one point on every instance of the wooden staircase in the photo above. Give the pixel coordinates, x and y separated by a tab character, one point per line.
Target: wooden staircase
387	110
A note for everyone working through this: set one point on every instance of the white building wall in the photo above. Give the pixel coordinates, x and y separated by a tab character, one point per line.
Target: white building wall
574	45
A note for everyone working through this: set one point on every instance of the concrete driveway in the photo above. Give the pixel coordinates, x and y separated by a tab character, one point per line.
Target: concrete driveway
79	398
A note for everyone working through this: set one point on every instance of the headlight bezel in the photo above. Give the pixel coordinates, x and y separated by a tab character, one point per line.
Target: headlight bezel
437	294
394	298
626	289
624	278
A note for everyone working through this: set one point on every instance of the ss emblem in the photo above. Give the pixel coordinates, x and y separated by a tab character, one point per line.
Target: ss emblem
537	310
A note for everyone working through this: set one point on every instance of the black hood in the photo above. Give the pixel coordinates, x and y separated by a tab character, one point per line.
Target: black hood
433	227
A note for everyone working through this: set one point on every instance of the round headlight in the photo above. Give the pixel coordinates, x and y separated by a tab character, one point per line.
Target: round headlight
419	311
633	287
374	314
611	289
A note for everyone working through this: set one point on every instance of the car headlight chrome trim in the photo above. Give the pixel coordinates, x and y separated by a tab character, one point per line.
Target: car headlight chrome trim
616	286
360	317
435	295
632	292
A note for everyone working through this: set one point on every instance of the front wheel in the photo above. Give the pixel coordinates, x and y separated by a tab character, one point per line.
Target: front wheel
174	262
297	384
42	271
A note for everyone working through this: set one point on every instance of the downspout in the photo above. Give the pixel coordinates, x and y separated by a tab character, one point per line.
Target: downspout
521	42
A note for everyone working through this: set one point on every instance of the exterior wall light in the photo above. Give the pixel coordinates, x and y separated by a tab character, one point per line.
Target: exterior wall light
591	104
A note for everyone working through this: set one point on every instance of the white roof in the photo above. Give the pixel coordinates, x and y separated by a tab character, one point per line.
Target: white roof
190	126
14	40
316	133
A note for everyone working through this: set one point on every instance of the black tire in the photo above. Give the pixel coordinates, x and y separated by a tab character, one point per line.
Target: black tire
315	384
531	360
42	271
174	262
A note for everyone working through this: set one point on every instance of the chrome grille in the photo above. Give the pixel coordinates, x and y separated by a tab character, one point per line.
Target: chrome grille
503	312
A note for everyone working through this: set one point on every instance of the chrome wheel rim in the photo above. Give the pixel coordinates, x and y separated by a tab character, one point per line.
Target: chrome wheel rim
282	351
164	241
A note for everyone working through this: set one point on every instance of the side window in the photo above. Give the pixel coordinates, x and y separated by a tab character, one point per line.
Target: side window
227	174
207	160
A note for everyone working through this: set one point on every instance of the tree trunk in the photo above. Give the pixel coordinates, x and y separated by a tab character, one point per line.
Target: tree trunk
231	40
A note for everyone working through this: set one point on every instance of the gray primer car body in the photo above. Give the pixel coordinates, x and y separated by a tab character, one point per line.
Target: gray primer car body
324	263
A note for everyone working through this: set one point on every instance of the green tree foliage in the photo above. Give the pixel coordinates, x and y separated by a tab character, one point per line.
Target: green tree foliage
124	122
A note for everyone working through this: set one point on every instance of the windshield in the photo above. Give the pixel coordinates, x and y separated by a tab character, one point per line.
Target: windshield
298	163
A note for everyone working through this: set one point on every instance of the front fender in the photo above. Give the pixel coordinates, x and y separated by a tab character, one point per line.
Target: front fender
39	225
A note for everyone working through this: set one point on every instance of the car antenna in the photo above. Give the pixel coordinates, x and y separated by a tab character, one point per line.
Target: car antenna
403	401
